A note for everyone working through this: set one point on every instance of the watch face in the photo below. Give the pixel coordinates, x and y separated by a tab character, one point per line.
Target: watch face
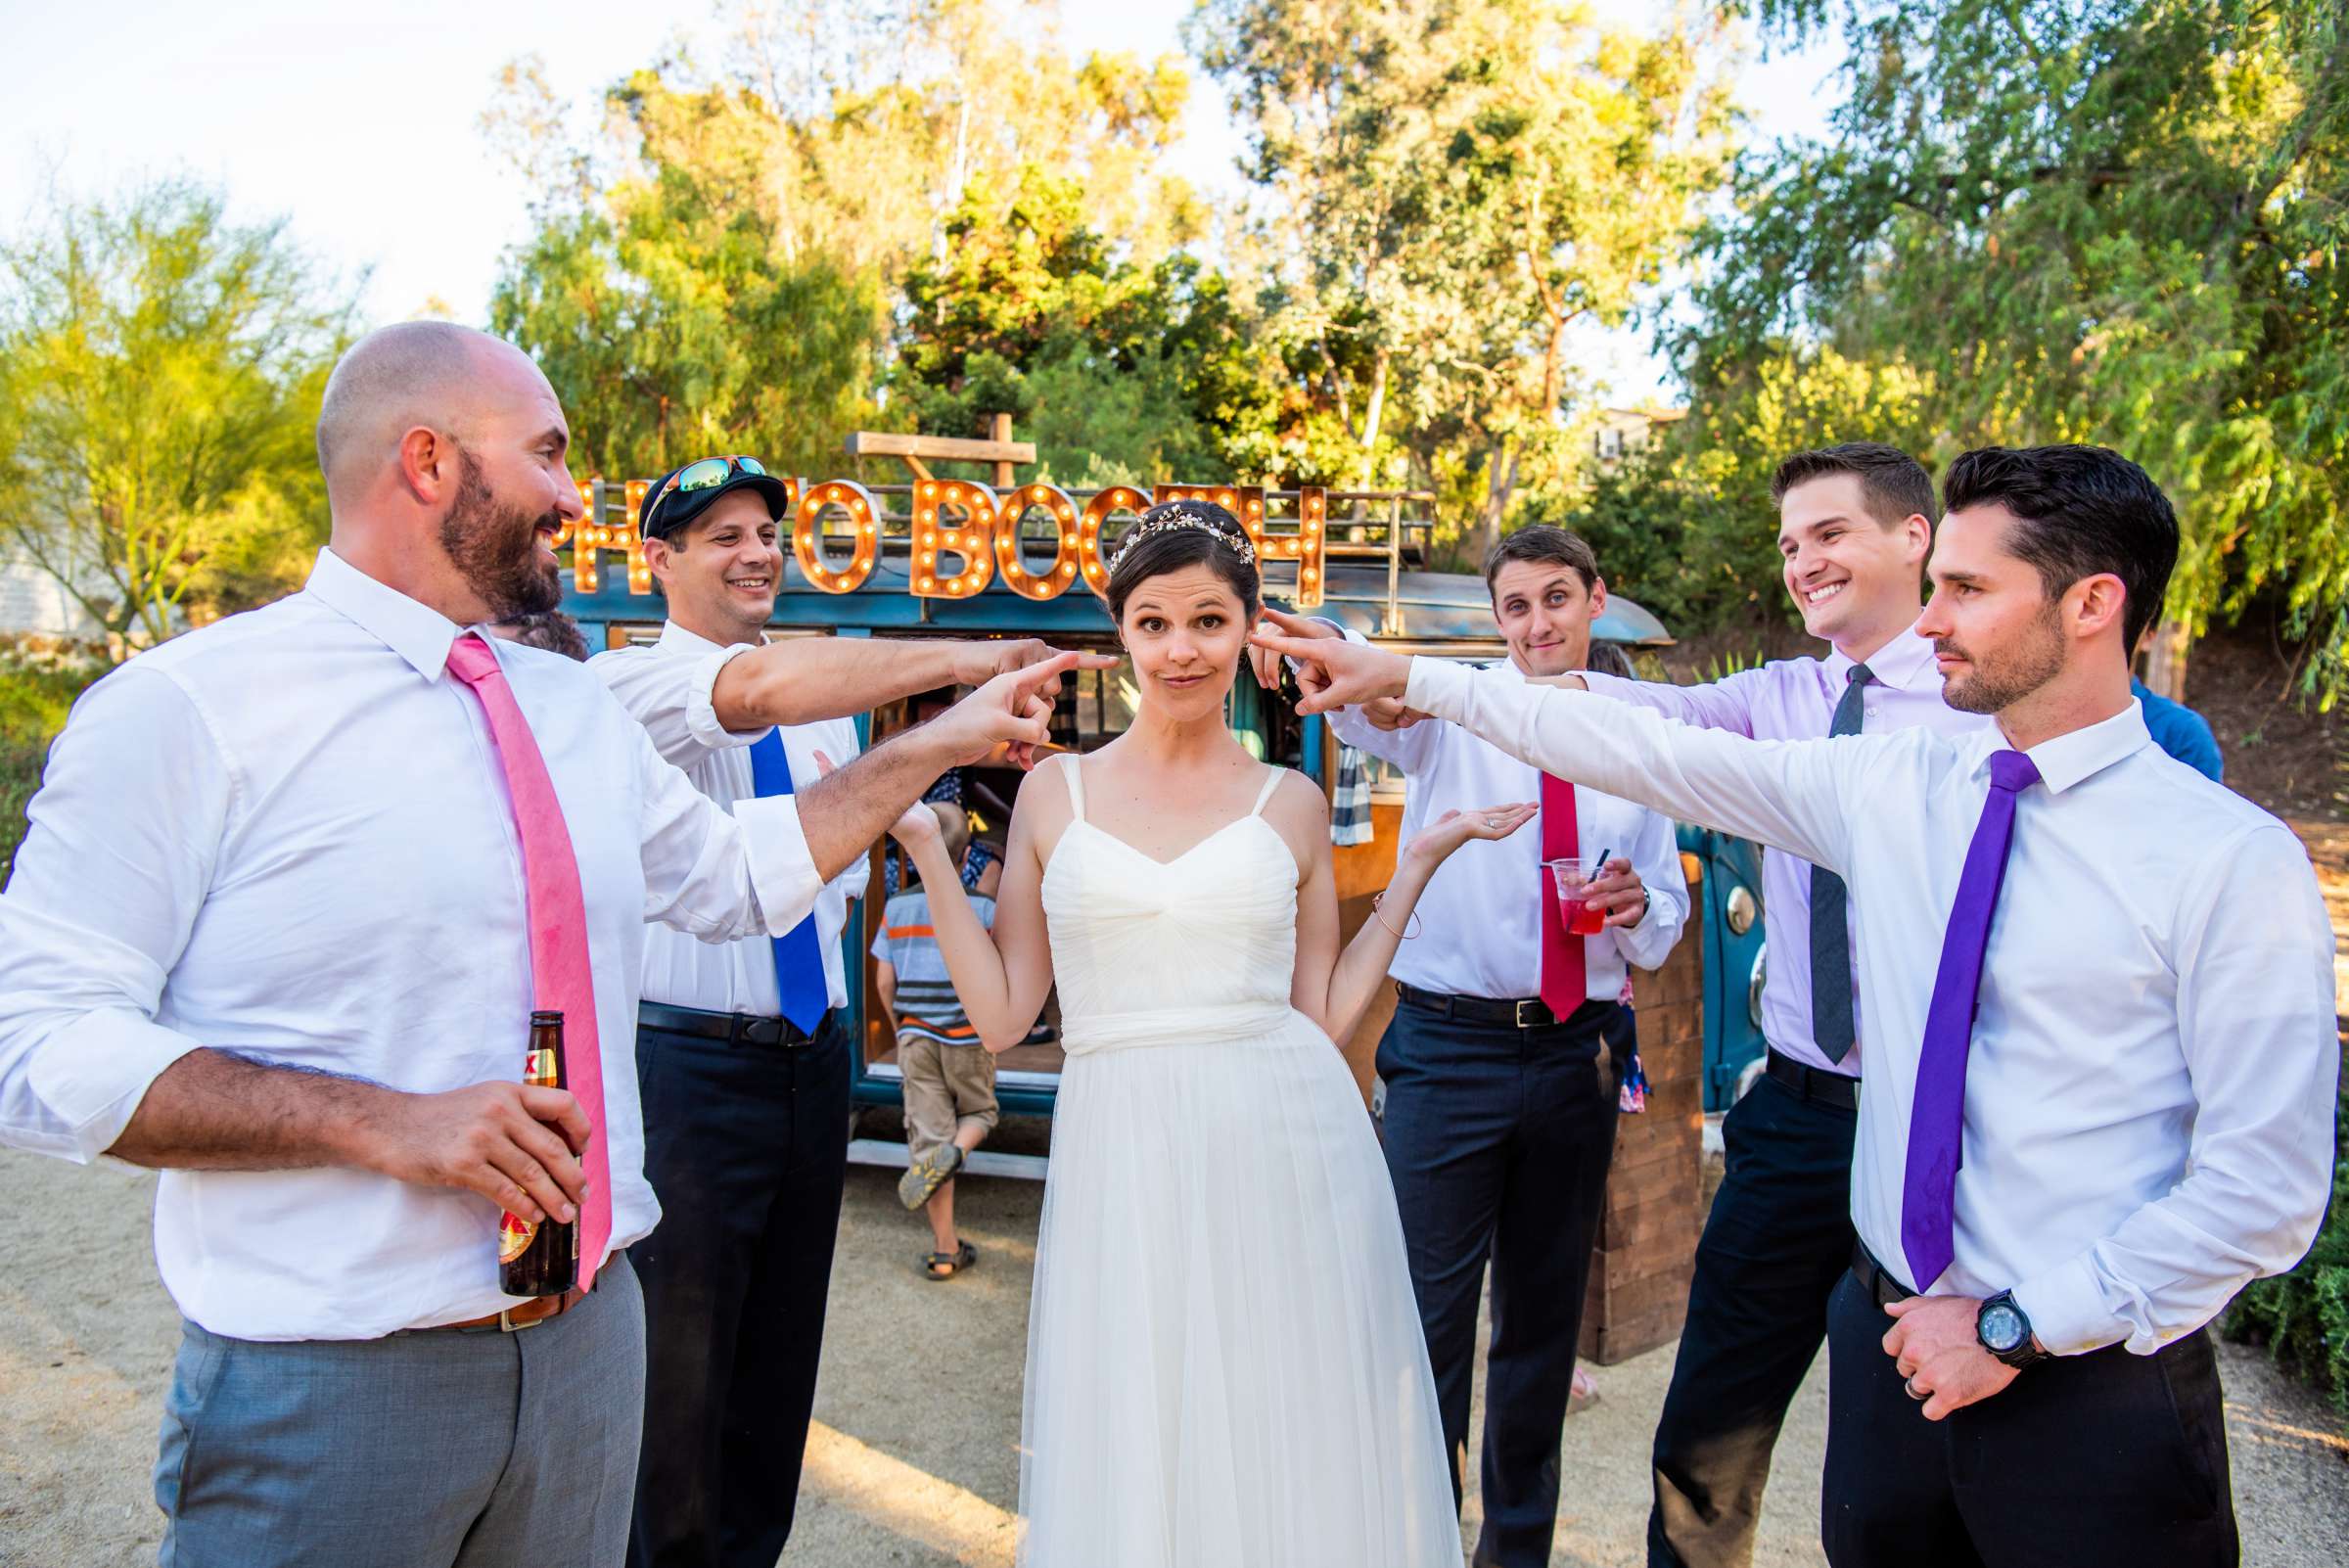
2002	1327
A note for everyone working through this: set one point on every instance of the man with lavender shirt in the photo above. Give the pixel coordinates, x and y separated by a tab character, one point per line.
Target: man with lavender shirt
1854	528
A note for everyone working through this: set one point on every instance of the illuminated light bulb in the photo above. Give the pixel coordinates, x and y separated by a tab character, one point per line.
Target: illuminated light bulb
929	490
1067	538
927	584
868	528
1223	498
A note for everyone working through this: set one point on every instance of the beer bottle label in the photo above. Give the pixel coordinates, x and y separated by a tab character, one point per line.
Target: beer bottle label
514	1235
538	1068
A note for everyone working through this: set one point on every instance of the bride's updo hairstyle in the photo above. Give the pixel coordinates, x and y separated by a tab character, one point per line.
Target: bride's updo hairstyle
1179	535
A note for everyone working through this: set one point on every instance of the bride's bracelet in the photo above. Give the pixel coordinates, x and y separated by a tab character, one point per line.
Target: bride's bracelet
1406	933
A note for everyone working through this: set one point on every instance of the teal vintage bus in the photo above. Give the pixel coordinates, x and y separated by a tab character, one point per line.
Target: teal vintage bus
957	557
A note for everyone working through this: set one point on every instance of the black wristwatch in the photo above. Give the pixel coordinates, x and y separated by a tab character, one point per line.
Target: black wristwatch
2004	1330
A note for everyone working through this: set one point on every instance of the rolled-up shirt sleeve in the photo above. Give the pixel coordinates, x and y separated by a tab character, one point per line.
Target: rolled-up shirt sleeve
108	882
2255	1019
719	877
1656	856
669	695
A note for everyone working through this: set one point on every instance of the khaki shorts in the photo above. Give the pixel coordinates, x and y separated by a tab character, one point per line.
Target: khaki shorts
946	1088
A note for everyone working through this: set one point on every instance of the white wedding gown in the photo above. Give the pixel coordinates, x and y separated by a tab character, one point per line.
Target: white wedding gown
1224	1361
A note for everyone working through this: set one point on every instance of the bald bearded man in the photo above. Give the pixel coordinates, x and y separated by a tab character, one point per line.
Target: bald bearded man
292	889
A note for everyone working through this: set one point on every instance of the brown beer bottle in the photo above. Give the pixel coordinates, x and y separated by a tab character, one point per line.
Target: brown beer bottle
542	1257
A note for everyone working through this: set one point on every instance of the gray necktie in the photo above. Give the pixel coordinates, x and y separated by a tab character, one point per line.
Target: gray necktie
1831	929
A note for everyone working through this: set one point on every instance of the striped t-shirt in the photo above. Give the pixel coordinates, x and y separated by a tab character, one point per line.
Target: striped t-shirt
927	1005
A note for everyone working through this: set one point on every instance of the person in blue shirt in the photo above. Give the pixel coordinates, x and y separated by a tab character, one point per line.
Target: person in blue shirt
2182	732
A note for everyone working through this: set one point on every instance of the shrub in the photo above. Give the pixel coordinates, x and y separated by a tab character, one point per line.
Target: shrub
36	692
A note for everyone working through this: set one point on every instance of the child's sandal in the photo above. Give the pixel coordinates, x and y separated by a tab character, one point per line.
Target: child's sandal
946	1264
925	1175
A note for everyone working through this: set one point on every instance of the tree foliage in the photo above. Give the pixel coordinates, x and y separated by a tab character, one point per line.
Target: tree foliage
1453	189
2116	221
160	369
721	262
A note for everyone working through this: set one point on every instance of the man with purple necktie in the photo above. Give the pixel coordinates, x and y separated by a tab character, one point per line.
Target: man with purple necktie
2100	1101
1855	525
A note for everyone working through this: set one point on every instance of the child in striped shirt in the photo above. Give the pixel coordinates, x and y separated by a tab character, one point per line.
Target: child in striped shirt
948	1077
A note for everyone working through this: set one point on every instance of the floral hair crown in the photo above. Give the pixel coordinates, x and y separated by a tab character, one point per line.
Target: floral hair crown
1185	517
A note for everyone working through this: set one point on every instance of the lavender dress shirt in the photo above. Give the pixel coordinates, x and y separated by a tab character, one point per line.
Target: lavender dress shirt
1794	698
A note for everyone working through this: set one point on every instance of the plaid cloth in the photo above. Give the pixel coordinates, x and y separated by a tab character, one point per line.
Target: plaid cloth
1350	801
948	788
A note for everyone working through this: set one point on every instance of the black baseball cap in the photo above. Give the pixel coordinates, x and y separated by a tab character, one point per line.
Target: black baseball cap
684	505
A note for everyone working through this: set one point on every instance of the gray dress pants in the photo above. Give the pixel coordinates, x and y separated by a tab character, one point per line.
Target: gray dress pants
448	1449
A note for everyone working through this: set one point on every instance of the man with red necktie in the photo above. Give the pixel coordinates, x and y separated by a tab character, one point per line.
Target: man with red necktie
2102	1048
293	886
1500	1067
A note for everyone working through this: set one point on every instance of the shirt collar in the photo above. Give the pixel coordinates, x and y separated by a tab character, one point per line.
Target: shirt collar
409	627
674	638
2067	759
1902	664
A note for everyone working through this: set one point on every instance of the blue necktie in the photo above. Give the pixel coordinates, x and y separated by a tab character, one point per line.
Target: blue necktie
799	954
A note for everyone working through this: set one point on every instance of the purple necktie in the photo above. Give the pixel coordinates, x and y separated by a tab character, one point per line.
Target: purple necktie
1936	1115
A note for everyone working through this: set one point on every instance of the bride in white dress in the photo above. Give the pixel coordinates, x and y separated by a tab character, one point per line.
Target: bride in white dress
1224	1361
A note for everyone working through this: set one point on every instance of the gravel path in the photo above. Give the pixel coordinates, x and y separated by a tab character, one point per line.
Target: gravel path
913	1460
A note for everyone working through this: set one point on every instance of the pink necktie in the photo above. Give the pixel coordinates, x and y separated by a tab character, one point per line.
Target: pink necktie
1565	982
560	979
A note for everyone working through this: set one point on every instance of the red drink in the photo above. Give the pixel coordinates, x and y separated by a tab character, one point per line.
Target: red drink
1580	919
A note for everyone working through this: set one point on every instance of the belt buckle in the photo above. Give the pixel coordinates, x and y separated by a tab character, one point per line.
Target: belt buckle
1530	1001
507	1325
762	1031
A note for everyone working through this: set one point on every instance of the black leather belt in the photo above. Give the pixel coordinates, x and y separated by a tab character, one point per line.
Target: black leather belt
1529	1012
1838	1090
735	1029
1874	1280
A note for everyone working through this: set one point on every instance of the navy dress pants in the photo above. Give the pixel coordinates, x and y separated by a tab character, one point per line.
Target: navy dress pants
1778	1238
747	1147
1499	1140
2103	1461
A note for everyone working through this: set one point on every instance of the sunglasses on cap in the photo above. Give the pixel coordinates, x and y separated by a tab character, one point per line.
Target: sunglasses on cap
706	475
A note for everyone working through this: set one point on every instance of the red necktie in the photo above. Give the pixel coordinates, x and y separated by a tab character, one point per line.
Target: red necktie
559	978
1565	984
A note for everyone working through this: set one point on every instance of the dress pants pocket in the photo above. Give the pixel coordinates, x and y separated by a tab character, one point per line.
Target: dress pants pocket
194	1378
2189	1375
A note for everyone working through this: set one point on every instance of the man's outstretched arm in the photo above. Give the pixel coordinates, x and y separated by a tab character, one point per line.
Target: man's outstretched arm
802	679
1790	794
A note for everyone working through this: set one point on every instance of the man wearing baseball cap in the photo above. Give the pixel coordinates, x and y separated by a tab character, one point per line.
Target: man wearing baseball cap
743	1056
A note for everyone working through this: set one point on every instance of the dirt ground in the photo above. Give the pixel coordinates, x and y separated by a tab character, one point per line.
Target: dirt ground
914	1459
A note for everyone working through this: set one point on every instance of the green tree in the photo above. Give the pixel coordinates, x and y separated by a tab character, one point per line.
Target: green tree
720	260
160	369
2106	220
1119	372
1459	186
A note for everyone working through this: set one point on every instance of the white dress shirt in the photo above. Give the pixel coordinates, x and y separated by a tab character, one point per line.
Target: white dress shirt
2149	1092
1795	699
1480	918
286	835
667	685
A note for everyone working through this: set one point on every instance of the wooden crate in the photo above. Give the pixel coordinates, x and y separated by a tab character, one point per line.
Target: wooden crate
1647	1244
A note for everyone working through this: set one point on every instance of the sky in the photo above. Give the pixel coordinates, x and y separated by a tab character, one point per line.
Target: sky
361	126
